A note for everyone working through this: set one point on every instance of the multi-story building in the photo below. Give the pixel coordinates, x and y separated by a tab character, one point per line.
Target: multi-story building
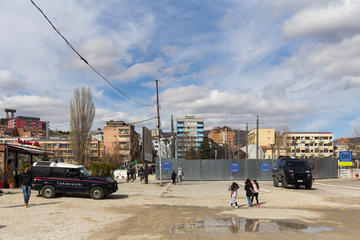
309	144
121	141
61	147
189	133
30	123
266	136
97	135
224	136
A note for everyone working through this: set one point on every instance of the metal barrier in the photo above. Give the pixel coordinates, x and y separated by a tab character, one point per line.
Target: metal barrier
234	169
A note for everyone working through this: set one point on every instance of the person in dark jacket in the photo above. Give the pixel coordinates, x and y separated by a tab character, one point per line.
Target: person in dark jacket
26	181
249	191
173	177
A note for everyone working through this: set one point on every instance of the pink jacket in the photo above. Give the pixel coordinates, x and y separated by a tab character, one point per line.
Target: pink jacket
255	189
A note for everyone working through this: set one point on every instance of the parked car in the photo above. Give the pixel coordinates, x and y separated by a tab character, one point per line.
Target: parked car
290	171
51	178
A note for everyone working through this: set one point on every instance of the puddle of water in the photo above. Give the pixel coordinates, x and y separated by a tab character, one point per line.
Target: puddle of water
223	226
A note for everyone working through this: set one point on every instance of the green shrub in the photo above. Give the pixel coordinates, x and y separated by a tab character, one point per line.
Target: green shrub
101	168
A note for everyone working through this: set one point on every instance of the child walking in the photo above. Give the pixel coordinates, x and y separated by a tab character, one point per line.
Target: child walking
256	188
233	188
249	191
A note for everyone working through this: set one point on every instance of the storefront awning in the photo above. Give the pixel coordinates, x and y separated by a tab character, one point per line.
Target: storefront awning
28	150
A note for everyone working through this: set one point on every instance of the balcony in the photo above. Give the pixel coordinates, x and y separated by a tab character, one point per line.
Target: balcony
200	125
180	130
200	135
180	135
180	125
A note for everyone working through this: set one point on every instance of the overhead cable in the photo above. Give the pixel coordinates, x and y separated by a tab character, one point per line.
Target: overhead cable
85	61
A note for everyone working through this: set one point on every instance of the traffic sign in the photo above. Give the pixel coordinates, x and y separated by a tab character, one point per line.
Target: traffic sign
266	167
167	166
345	158
235	167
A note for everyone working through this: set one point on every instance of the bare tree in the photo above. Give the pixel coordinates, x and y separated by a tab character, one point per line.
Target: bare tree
82	112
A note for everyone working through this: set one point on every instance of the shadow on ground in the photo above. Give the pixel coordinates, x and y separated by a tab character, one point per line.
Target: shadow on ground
32	205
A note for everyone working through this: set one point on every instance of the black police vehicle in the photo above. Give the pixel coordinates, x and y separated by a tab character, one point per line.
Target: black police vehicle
51	178
290	171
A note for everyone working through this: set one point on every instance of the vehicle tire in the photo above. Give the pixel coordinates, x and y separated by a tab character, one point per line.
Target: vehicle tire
284	183
48	191
308	186
97	193
276	182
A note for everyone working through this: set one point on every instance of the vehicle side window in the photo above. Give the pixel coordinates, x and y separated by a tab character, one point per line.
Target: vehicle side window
282	163
40	171
72	173
58	172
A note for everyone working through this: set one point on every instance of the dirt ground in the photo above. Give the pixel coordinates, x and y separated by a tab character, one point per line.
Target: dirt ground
190	210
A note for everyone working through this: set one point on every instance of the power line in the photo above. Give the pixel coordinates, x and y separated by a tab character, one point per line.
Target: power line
85	61
145	120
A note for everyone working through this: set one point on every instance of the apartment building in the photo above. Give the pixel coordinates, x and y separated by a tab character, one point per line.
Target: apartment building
309	144
61	147
29	123
189	133
121	141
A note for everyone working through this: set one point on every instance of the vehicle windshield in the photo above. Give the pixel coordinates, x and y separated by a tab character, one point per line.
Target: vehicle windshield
84	172
296	164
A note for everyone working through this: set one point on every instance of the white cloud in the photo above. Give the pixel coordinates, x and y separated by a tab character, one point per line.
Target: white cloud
332	21
333	61
353	82
221	107
10	84
141	69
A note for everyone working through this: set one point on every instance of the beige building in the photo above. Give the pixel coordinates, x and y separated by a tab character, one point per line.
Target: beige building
121	141
266	136
309	144
61	147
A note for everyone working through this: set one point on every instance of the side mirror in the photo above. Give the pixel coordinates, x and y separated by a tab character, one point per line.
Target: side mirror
312	167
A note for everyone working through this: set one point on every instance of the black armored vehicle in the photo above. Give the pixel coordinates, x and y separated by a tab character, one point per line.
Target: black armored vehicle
51	178
291	171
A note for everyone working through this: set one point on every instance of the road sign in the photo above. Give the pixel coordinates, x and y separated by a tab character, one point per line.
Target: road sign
235	167
266	167
345	158
166	166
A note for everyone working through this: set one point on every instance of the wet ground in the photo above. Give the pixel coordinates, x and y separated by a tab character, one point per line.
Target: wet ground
176	222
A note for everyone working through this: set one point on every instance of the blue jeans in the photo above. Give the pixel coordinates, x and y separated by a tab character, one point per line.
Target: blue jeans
27	192
249	201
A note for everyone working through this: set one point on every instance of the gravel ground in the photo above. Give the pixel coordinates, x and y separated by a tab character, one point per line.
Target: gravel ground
139	211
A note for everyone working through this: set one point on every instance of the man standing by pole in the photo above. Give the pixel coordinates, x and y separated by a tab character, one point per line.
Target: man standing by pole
26	181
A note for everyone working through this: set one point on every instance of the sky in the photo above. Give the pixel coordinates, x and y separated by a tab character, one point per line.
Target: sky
295	63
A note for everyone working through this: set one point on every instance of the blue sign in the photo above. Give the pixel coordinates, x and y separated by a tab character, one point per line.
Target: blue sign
266	167
345	156
166	166
235	167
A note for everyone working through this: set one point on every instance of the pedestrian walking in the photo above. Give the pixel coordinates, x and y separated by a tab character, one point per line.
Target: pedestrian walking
233	188
249	191
173	177
180	174
26	181
256	188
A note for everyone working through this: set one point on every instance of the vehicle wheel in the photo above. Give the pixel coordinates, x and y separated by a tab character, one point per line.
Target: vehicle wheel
284	183
308	186
97	193
275	181
48	191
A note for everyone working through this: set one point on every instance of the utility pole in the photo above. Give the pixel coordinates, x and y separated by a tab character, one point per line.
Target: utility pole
257	136
172	138
247	142
238	143
159	129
